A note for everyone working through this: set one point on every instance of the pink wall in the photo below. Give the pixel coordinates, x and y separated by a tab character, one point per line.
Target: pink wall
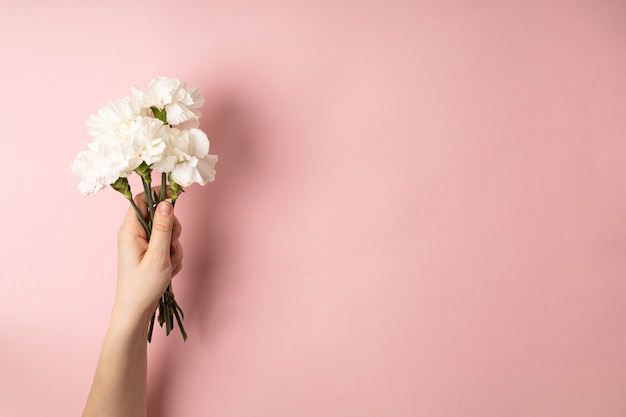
420	207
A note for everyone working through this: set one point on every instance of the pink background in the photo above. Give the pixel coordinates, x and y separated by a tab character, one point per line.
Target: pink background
420	207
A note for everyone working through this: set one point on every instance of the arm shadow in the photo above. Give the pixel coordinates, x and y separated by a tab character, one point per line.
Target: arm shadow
229	122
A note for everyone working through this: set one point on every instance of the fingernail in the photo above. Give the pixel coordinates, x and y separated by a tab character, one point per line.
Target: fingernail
165	208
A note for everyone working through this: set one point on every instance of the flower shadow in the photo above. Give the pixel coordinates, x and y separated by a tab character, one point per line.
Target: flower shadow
232	130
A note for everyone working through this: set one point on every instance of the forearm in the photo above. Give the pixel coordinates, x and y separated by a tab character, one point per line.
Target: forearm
144	271
119	386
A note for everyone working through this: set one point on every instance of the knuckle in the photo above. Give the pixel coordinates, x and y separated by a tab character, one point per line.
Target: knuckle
122	234
158	260
161	227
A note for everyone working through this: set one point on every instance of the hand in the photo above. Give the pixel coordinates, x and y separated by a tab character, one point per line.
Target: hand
145	269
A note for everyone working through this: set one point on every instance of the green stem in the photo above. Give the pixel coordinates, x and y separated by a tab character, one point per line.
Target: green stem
151	327
146	188
168	315
180	324
162	310
140	217
163	186
174	308
168	309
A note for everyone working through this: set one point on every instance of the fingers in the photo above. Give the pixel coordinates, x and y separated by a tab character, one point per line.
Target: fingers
131	227
177	260
176	233
176	249
131	236
164	246
131	221
140	201
162	229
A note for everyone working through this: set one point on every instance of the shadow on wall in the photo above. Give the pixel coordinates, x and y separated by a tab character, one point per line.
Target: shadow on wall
228	121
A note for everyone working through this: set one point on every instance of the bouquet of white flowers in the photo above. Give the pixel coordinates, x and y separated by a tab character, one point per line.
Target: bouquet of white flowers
154	129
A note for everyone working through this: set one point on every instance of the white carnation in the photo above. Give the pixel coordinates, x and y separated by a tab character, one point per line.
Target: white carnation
102	164
146	139
114	115
187	158
127	134
170	94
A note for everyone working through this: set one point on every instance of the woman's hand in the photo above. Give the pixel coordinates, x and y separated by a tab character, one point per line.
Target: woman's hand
144	271
145	268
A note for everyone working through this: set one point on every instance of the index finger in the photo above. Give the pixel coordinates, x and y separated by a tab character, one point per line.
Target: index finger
131	226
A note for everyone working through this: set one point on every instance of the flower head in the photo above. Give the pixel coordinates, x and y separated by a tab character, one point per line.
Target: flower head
153	129
186	157
171	94
114	115
102	164
146	138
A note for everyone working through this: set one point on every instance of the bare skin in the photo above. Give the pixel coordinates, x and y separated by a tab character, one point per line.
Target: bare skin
144	271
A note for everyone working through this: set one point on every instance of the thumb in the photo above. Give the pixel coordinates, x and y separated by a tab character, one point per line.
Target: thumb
161	236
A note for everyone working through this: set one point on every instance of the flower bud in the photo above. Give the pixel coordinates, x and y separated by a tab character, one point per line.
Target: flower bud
175	187
145	172
121	185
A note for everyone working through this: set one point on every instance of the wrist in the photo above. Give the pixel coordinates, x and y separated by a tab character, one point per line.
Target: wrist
131	318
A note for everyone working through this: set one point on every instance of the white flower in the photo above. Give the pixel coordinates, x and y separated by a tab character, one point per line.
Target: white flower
170	94
187	158
127	134
102	164
114	115
146	139
118	152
